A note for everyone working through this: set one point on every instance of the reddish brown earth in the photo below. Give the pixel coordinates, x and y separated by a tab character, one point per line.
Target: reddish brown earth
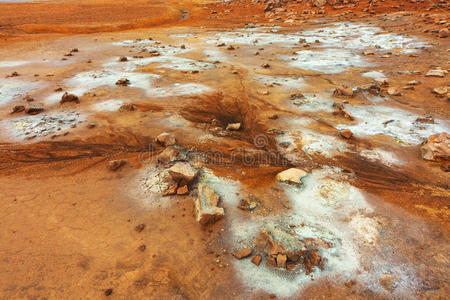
68	222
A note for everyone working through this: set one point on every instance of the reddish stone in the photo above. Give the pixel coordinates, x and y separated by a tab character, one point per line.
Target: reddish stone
346	133
183	190
281	261
257	259
242	253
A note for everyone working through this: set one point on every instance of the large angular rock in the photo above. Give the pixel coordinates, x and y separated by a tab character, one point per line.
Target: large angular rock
182	172
436	147
292	176
206	205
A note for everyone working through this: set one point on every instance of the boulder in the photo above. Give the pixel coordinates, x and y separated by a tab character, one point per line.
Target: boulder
206	205
292	176
182	172
436	147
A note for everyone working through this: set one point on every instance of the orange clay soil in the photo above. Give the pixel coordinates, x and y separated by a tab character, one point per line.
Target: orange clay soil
68	223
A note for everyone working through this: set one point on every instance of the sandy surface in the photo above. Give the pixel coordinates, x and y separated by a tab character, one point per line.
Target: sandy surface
68	222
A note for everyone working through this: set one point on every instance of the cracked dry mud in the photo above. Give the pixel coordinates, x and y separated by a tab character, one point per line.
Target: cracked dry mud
303	123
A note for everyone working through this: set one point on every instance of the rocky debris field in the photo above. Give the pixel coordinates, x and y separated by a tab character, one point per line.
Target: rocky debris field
250	149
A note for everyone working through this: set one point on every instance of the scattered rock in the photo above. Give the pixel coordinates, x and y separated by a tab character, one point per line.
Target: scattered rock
183	190
108	292
127	107
436	73
340	110
436	147
17	109
123	59
171	154
281	260
246	252
28	98
392	91
172	190
343	92
346	133
257	260
206	205
387	282
442	90
115	165
413	82
285	250
265	66
248	204
34	109
123	82
69	98
182	172
234	126
139	227
292	176
443	33
166	139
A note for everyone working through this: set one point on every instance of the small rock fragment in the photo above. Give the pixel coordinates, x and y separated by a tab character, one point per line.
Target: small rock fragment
257	260
436	73
69	98
291	176
127	107
17	109
340	110
392	91
246	252
108	292
172	190
346	133
166	139
34	109
281	261
183	190
139	227
234	126
123	82
443	33
115	165
442	90
343	92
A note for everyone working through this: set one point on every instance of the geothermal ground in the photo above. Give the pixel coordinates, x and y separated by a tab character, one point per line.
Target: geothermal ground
224	150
